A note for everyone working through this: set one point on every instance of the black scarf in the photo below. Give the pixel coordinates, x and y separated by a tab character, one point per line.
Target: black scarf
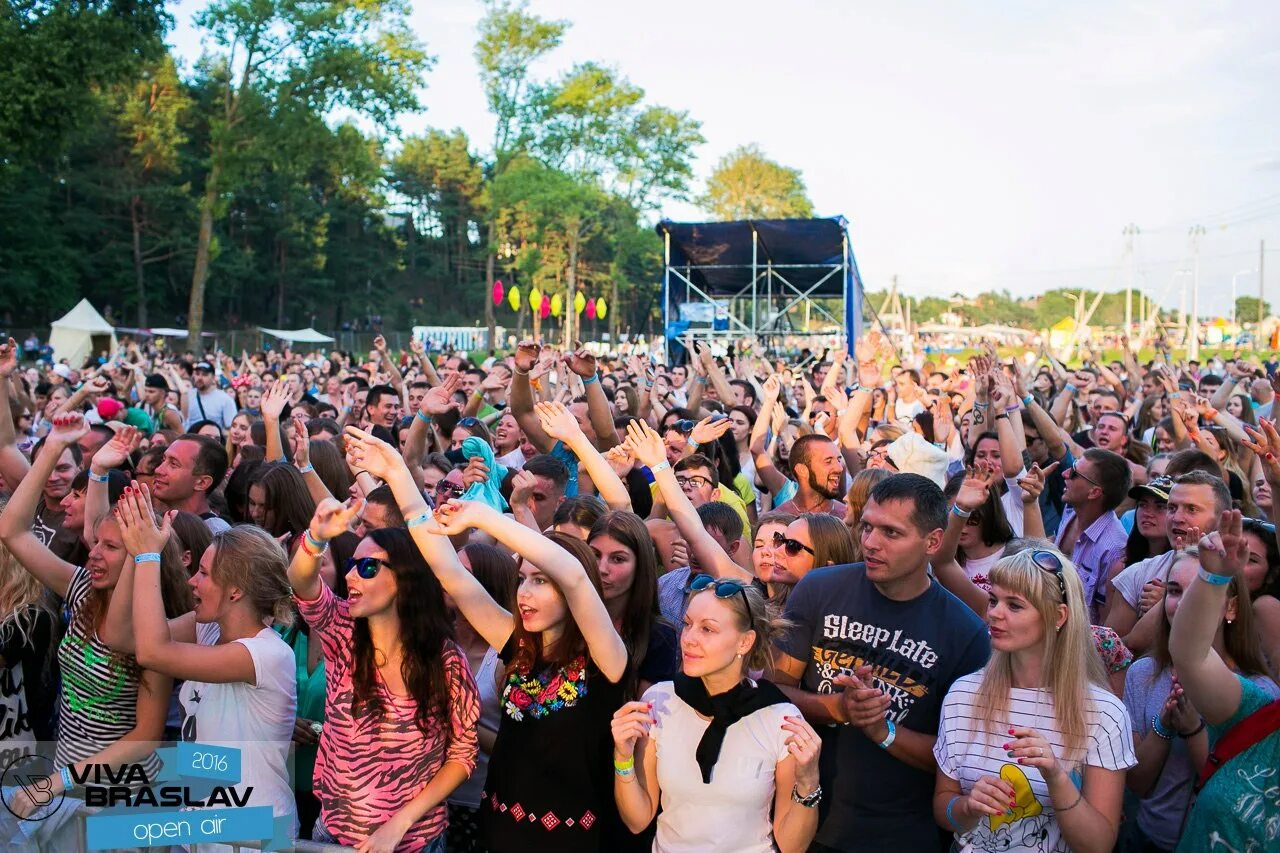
724	709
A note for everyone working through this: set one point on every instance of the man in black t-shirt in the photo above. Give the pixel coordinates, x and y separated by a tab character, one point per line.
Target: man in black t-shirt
875	647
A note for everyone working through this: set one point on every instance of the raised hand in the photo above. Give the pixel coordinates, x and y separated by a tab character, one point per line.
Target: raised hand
974	489
137	520
526	356
522	485
557	421
455	516
98	385
439	400
1265	442
582	362
417	348
631	723
367	453
1033	483
8	358
116	452
1225	551
621	459
710	429
772	390
334	517
1152	595
68	429
301	443
274	399
380	344
475	472
645	444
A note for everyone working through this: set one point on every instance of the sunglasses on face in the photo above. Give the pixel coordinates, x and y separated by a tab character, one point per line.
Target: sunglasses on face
1052	563
793	547
366	567
1074	471
725	588
446	488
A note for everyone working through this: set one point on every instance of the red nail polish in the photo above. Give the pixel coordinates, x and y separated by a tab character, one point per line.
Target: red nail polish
1006	746
1020	761
1010	729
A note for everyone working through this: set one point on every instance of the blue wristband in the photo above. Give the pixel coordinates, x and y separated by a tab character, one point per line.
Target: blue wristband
149	557
67	782
593	378
95	478
661	466
421	518
1211	578
307	469
426	419
951	820
889	738
314	543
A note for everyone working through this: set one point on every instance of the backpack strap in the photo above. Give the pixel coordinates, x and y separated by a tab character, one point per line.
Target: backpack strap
1244	734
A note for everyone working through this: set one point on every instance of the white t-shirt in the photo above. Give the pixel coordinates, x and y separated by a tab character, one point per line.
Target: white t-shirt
1132	579
731	813
255	719
966	753
1011	503
514	460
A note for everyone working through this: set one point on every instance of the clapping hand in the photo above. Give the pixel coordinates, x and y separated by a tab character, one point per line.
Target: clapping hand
137	520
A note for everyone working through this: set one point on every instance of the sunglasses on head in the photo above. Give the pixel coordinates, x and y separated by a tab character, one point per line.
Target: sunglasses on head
725	588
793	547
1052	563
1257	525
366	567
469	422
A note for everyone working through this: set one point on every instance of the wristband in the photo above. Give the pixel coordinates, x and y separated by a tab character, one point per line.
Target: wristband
67	782
149	557
979	405
962	513
1069	388
1197	730
950	819
702	380
629	764
661	466
1028	400
693	444
1009	410
520	372
592	379
624	774
1210	578
95	478
1004	415
1174	396
421	518
312	545
307	469
426	419
1160	730
888	739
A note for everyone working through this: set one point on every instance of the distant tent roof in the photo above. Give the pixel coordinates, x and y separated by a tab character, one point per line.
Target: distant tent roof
719	253
84	318
298	336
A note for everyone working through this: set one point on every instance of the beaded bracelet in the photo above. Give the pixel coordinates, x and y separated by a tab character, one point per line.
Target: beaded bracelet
1159	729
1210	578
311	545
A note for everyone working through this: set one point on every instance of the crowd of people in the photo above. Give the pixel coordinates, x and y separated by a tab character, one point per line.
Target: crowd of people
557	600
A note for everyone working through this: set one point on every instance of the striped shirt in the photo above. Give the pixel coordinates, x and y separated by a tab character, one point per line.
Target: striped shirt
966	752
98	703
368	769
1094	551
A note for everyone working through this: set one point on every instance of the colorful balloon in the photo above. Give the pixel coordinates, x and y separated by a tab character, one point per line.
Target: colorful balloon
497	293
557	304
514	298
579	302
546	309
591	309
535	299
602	309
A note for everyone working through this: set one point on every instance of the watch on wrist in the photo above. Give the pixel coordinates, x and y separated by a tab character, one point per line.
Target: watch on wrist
809	801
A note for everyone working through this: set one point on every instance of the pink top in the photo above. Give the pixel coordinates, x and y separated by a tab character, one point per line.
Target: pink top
367	769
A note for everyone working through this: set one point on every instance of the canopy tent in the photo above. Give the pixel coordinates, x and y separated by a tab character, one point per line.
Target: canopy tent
297	336
748	277
80	333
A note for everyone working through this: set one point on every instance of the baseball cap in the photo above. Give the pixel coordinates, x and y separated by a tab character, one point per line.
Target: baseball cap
62	370
155	380
1159	488
203	365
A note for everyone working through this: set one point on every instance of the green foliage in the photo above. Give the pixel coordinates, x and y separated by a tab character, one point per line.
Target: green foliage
748	185
1247	309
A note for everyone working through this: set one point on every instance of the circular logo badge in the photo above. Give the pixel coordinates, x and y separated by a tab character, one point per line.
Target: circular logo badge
26	787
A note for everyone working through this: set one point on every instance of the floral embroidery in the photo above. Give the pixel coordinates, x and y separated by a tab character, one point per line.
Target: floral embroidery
539	695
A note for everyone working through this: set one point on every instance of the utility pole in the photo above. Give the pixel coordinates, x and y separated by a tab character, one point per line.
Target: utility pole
1130	232
1193	344
1262	257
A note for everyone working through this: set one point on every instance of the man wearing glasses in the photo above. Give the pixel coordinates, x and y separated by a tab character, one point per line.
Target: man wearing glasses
1090	533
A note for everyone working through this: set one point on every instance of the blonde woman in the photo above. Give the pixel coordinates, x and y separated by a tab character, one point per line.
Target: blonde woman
1032	750
28	637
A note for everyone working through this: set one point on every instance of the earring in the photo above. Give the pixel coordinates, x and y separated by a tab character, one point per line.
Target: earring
1229	621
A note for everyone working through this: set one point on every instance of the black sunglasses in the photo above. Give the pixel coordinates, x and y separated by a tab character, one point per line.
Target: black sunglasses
1257	525
469	422
366	567
792	546
1051	562
445	487
725	588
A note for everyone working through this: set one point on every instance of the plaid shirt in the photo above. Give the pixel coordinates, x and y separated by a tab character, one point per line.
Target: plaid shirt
1094	551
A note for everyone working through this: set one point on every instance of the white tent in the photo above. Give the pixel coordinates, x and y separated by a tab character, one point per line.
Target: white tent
298	336
80	333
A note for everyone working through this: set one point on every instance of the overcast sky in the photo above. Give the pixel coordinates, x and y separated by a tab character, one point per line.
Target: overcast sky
971	146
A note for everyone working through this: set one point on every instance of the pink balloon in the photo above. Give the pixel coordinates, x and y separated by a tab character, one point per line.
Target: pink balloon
546	308
591	309
497	293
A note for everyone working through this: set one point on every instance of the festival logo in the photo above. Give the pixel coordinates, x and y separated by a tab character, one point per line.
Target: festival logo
29	776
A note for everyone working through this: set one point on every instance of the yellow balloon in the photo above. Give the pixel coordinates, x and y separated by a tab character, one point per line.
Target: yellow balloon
602	310
535	299
557	303
579	302
514	298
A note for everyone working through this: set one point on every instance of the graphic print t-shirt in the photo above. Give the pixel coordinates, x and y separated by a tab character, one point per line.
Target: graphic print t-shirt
917	648
966	753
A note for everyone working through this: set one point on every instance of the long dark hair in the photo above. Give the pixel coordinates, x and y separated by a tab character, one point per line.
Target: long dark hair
641	612
529	651
289	505
425	633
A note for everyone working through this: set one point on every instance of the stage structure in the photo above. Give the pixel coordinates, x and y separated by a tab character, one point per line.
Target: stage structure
722	281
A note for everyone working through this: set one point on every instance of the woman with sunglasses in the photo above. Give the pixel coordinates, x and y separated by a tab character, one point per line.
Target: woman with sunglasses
719	752
1236	809
401	705
1171	740
1032	750
813	540
564	664
237	674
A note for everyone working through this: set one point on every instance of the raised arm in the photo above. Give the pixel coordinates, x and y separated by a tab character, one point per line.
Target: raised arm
274	400
419	350
302	458
648	449
583	363
331	518
97	499
559	423
526	358
1210	684
15	522
393	369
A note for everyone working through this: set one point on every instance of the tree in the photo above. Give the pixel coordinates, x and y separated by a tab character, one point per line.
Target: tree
284	56
748	185
1247	309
